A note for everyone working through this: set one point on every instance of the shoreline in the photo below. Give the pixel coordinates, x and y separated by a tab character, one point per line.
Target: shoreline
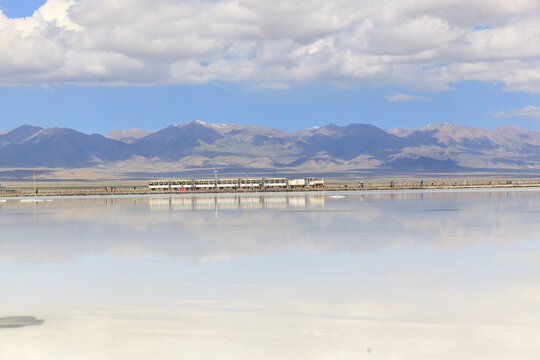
99	193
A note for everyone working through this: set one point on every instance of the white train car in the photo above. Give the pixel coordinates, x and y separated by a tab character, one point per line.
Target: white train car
180	185
307	182
297	183
227	183
250	183
316	183
275	183
159	185
204	184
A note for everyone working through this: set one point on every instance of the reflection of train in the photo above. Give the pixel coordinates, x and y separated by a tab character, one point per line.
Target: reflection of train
231	202
235	184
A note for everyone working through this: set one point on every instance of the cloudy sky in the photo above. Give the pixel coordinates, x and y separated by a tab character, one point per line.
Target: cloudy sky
98	65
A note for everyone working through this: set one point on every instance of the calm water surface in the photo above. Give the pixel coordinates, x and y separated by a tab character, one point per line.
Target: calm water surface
441	275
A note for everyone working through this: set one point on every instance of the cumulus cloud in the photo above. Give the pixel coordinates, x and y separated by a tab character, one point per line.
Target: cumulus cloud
529	111
423	45
406	97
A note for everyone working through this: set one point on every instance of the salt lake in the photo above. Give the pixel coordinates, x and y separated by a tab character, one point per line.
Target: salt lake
389	275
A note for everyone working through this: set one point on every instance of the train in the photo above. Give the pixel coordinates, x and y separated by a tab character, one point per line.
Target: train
235	184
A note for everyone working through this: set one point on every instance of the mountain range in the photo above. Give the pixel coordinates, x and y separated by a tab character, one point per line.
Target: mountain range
331	148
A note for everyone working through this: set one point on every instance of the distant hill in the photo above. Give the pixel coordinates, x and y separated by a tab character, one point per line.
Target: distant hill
128	135
437	148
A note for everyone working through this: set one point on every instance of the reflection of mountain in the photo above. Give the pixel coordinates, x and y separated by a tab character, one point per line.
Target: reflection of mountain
197	145
205	227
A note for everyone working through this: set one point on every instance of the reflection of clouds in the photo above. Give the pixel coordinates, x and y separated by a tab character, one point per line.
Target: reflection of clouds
508	217
288	326
206	227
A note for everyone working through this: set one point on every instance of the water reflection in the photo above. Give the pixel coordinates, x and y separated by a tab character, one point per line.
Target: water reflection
383	276
233	202
206	227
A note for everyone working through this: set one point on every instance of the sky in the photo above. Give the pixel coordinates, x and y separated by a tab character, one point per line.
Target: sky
100	65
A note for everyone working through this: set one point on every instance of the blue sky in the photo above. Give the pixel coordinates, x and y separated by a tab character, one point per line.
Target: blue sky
20	8
101	109
132	75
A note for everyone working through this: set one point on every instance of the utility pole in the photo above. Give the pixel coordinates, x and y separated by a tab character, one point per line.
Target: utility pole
498	169
35	189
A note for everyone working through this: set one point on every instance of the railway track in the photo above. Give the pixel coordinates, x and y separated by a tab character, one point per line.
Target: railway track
124	191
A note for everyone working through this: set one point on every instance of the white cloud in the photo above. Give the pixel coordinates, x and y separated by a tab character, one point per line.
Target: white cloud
406	97
529	111
423	45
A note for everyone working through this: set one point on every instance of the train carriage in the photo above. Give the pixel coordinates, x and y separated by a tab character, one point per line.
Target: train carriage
250	183
204	184
297	183
227	183
316	183
275	183
159	185
181	185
